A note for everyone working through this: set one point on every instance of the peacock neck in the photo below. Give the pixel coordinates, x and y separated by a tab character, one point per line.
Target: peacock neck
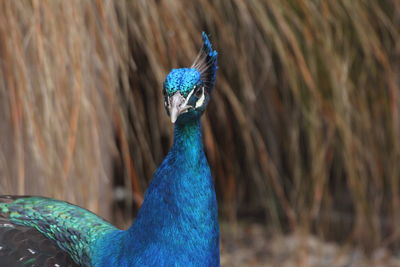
188	142
178	216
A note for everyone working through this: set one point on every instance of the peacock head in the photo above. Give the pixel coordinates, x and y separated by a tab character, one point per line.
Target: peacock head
187	91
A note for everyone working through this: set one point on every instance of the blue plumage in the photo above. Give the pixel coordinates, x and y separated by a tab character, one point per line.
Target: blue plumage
183	80
177	224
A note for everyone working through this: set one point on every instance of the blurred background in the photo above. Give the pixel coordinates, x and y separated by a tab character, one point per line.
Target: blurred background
302	133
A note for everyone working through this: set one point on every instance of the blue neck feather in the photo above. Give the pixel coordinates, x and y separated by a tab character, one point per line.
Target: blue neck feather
177	224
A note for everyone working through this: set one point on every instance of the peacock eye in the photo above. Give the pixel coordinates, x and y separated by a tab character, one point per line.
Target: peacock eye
198	91
164	92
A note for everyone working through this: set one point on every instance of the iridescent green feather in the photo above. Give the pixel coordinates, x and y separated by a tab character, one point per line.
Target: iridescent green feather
73	228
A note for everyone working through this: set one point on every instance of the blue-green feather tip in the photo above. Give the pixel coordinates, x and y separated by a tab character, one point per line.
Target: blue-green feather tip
208	46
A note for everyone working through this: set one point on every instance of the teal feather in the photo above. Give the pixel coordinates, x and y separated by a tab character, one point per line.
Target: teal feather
73	228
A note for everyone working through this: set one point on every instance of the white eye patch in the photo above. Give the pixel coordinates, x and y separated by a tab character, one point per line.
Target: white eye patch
200	102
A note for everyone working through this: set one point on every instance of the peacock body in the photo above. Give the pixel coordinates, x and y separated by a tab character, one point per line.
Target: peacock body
177	224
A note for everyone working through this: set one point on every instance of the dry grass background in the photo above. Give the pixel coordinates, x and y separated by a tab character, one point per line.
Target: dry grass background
302	132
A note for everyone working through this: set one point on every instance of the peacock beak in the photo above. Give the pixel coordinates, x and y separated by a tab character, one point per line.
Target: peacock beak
177	106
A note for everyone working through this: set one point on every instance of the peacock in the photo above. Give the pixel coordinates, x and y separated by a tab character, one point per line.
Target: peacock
177	224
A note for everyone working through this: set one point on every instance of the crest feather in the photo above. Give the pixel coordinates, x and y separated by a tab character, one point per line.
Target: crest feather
206	63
